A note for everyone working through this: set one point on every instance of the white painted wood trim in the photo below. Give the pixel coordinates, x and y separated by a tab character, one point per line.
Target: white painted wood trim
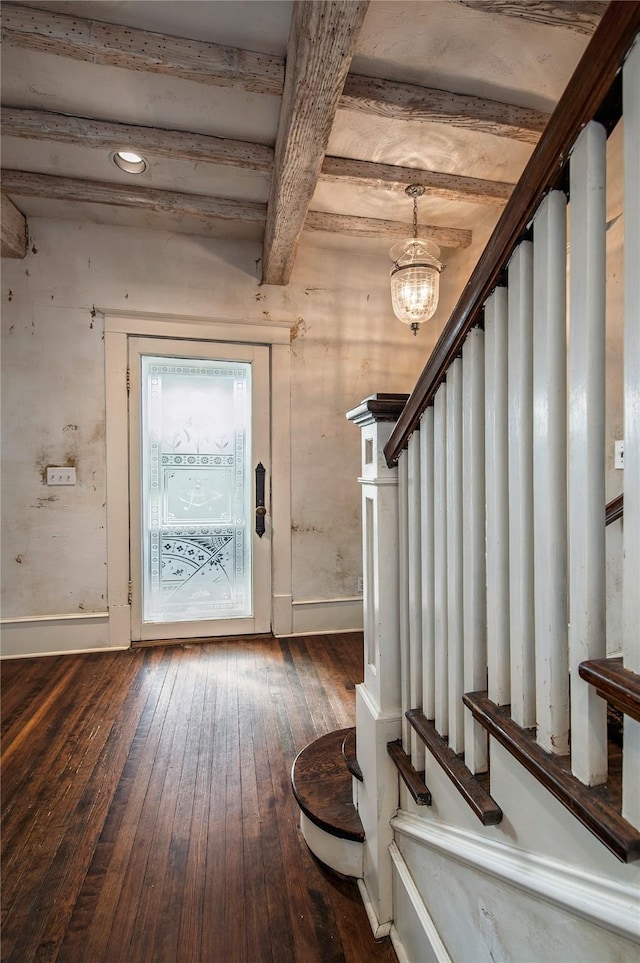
403	595
118	326
428	565
27	637
474	543
398	945
440	550
521	618
496	328
324	616
414	537
282	613
69	617
117	486
378	929
587	456
631	572
411	891
454	556
343	855
204	329
550	472
596	899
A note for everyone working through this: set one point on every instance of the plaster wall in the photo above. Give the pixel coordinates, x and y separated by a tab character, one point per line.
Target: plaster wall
345	344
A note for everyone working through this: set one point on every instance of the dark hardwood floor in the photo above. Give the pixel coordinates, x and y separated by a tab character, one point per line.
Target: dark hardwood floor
147	810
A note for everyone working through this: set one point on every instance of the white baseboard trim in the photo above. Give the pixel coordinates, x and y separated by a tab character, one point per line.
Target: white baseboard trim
319	616
378	929
431	935
597	899
398	947
28	636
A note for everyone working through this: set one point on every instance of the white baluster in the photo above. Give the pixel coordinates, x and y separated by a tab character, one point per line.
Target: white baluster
586	449
550	471
403	589
631	572
428	563
473	542
415	592
497	495
520	351
454	555
440	549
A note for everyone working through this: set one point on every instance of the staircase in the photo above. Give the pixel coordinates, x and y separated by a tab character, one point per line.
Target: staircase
322	781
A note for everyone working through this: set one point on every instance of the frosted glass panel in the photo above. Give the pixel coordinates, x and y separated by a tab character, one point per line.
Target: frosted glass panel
196	489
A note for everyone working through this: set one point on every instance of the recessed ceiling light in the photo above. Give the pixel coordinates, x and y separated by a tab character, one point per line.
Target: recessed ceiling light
130	162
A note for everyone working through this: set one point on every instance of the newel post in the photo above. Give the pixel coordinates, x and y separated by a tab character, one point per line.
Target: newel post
378	698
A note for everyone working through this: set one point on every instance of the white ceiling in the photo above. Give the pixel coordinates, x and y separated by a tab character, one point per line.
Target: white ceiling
464	47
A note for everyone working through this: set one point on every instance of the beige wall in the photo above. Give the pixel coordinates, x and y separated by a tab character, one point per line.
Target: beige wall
345	345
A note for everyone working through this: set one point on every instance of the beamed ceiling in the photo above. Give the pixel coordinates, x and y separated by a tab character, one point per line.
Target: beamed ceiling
269	120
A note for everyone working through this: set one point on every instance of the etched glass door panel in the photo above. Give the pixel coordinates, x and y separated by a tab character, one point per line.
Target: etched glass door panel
196	489
198	426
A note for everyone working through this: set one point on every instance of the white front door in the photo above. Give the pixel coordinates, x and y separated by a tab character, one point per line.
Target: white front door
200	541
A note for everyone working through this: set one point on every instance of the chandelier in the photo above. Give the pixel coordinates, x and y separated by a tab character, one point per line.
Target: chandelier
415	275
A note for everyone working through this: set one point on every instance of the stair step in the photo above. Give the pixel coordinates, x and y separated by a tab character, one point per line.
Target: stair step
322	786
349	754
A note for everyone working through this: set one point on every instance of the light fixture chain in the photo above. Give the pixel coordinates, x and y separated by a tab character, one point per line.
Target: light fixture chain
415	217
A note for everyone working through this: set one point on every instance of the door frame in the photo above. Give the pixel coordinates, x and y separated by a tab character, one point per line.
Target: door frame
118	327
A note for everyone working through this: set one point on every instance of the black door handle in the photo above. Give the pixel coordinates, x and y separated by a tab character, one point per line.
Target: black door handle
261	511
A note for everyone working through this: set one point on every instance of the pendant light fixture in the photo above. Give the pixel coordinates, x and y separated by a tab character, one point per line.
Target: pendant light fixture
415	275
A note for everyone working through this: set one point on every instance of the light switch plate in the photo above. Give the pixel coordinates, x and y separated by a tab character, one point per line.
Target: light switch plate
61	476
619	455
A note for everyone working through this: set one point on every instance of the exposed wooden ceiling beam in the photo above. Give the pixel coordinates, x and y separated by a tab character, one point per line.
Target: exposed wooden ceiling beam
70	189
321	43
103	135
45	125
375	227
26	184
397	101
13	230
207	63
581	16
448	187
113	45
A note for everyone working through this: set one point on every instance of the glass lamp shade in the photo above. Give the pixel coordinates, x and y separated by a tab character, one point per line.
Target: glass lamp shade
415	281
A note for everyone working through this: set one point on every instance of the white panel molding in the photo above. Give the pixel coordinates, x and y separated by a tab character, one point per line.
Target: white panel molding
28	636
411	891
596	899
320	616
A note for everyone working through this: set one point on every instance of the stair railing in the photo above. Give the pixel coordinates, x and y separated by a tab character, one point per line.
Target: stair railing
500	451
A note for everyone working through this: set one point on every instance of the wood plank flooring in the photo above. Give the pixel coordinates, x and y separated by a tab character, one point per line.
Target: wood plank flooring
147	813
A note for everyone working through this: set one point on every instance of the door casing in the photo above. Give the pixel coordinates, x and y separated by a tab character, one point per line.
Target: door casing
118	327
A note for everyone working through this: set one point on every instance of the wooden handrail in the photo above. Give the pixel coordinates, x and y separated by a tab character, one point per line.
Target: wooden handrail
586	803
591	93
614	509
619	686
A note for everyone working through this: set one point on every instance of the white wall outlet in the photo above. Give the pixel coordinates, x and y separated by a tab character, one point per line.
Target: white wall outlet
61	476
618	461
360	584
